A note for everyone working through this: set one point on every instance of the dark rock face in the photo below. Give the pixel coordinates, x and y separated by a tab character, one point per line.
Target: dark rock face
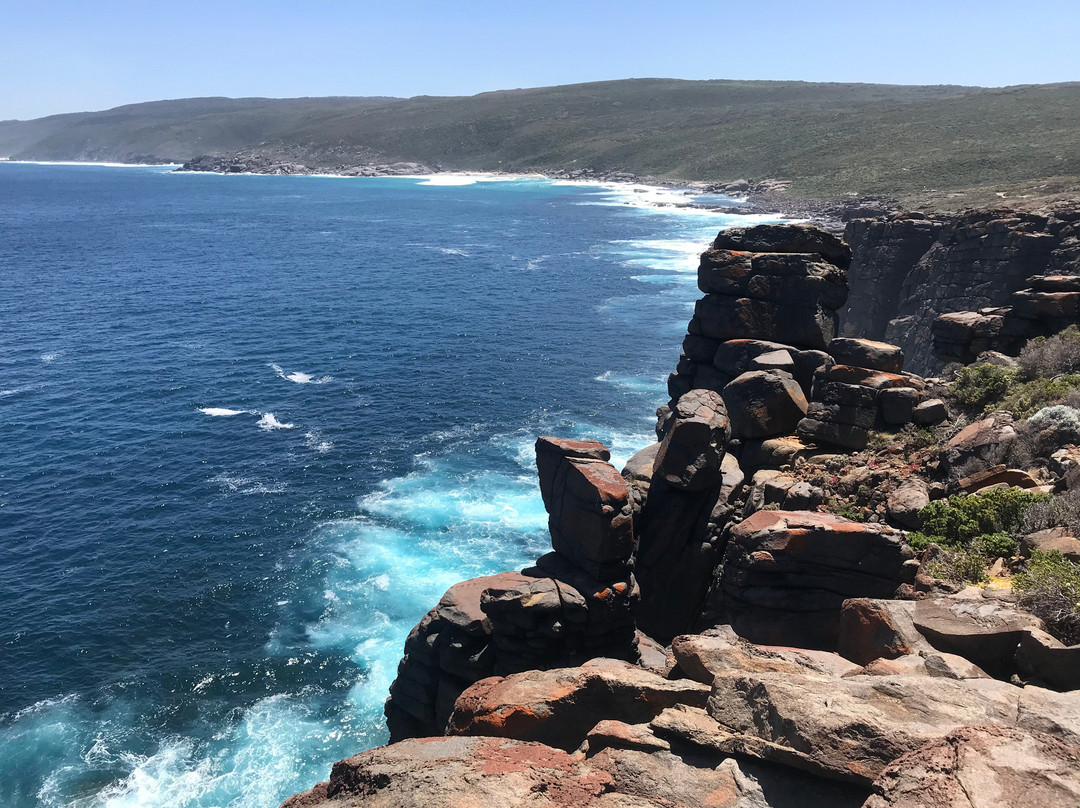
786	574
965	336
678	531
907	271
764	403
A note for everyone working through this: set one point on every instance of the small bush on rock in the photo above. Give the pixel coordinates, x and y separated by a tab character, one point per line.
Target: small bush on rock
977	385
1050	589
1044	357
961	519
1062	510
1053	427
1024	400
971	530
958	566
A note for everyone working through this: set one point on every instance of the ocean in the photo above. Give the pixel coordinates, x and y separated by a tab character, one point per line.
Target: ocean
253	427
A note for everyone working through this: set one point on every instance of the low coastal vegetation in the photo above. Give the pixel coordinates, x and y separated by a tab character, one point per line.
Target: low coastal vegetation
963	145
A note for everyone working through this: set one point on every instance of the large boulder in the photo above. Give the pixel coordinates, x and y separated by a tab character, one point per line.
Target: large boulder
772	276
764	403
559	707
851	728
866	353
979	445
786	238
690	455
985	631
702	657
802	323
428	772
590	512
907	501
983	767
786	574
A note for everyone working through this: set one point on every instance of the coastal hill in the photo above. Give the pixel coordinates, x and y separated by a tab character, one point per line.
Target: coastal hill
828	140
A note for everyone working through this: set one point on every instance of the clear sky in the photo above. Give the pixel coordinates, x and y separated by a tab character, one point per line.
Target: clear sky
63	56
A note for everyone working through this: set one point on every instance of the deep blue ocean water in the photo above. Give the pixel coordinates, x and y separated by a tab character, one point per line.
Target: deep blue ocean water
251	428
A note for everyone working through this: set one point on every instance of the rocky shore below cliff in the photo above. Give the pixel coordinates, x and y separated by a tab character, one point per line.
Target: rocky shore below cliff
830	582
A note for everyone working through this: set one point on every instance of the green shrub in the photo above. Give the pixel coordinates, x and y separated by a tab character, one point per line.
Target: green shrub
996	545
957	521
959	566
983	384
1061	510
1044	357
1025	399
1050	589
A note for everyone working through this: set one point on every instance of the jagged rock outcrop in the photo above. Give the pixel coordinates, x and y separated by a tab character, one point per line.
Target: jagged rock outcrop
1049	304
810	684
577	603
778	286
679	527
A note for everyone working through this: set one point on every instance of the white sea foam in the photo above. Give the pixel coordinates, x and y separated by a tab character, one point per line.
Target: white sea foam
51	356
467	178
270	422
314	441
240	484
298	377
223	412
162	166
452	251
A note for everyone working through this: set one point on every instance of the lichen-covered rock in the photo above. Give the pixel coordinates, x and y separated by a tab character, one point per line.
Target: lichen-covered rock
786	574
853	727
983	767
764	403
428	772
559	707
866	353
589	506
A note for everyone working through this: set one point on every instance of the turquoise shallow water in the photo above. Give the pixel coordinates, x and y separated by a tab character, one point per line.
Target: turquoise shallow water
253	427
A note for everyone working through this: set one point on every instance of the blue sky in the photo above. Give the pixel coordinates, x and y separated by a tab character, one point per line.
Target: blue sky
62	56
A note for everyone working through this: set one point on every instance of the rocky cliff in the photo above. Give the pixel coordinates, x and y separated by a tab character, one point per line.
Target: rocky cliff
739	617
907	269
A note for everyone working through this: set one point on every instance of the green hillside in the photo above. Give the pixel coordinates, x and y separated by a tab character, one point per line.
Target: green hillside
829	139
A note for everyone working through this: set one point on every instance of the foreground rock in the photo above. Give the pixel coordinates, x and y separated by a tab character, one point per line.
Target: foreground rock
559	707
983	767
851	728
431	772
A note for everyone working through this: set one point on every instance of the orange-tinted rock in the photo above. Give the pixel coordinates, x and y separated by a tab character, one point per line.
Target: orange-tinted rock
787	573
559	707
